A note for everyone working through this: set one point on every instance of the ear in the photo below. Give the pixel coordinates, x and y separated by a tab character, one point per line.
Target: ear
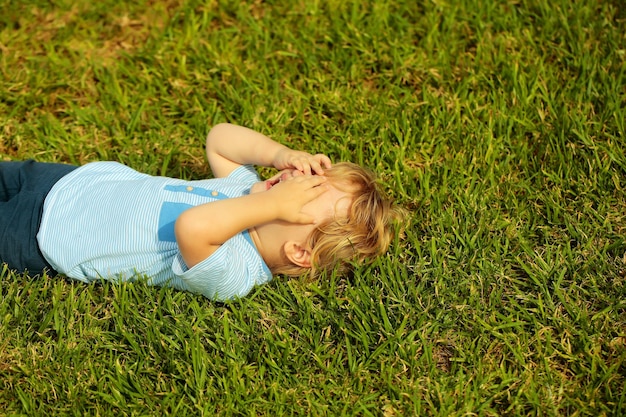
297	254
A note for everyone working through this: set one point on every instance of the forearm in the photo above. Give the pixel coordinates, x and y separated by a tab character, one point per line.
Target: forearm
241	145
202	229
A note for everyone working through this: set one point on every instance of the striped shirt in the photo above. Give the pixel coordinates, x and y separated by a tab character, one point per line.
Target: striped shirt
107	221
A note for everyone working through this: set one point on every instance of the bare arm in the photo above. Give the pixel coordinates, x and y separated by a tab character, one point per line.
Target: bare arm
230	146
198	238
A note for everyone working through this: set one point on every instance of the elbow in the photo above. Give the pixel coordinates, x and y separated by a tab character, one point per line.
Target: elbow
214	140
215	134
193	245
182	229
185	238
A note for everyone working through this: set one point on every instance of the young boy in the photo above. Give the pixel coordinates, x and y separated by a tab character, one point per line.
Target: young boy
218	237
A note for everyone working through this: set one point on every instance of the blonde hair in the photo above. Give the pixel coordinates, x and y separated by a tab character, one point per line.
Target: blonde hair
366	233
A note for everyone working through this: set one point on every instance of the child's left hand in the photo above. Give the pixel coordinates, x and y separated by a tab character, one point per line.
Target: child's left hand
302	161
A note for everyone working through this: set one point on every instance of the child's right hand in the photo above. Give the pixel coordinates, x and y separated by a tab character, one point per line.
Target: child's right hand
302	161
292	195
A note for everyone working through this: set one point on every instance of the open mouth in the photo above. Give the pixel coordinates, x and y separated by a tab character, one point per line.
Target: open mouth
273	181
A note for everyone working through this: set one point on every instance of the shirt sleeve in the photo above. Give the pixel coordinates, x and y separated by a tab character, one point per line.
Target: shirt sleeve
222	276
245	174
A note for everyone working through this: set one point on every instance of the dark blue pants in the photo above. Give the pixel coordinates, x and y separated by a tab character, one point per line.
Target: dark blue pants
23	189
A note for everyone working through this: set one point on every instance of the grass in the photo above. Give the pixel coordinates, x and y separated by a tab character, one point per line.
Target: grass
500	125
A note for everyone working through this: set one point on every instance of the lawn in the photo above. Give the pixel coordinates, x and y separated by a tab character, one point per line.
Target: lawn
499	125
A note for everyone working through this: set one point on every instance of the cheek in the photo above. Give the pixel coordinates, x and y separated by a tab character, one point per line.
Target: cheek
257	187
319	209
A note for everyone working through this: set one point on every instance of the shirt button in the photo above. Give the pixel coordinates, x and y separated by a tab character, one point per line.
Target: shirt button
214	193
190	188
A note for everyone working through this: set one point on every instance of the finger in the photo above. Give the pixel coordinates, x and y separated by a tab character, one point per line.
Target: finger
315	192
306	168
274	178
324	161
314	181
298	165
316	167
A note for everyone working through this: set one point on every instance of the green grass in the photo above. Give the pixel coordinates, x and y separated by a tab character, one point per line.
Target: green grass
500	125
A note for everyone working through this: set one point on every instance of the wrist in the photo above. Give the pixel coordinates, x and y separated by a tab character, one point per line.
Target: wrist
277	157
266	205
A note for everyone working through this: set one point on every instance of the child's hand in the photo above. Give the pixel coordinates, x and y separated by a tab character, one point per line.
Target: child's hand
292	195
302	161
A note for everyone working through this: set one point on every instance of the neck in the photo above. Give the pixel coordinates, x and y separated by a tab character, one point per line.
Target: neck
266	244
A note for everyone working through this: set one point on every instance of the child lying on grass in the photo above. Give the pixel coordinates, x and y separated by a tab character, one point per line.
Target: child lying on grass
217	237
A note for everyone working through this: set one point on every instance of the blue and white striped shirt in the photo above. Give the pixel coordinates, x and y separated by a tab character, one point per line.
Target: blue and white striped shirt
107	221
